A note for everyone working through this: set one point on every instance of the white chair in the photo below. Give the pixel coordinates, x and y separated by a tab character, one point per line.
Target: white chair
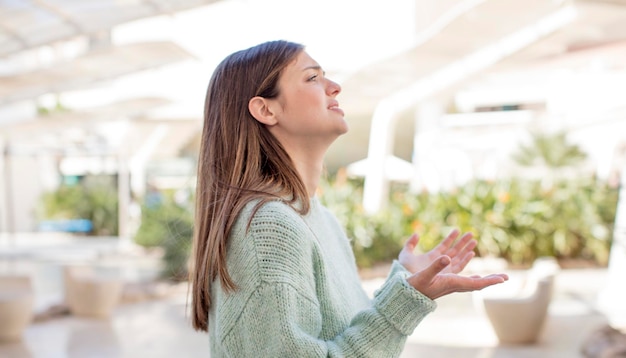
88	294
16	306
519	318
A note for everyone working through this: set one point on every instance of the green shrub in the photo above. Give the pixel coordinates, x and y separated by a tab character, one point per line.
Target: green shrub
93	198
372	240
514	219
169	225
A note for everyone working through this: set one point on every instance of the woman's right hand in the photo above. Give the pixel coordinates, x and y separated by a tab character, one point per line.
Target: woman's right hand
434	283
460	252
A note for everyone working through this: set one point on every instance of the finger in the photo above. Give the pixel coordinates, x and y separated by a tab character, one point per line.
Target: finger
489	281
462	245
426	276
476	283
459	265
465	240
503	276
411	243
448	241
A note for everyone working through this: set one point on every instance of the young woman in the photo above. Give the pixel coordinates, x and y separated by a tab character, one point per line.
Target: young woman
274	274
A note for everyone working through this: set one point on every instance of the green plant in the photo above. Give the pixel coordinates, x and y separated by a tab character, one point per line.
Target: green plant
515	219
371	240
93	198
169	225
551	150
552	153
58	107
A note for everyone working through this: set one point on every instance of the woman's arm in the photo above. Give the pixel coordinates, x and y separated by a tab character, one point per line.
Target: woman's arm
289	304
280	321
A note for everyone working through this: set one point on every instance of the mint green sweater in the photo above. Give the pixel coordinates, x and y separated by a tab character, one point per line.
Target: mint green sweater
299	293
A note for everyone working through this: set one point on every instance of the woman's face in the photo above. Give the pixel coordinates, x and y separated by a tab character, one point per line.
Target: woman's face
306	105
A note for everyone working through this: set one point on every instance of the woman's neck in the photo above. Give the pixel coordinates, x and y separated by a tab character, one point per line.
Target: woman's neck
309	165
307	155
310	175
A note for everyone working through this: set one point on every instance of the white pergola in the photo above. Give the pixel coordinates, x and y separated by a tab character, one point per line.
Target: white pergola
79	138
27	24
467	39
89	69
27	27
457	40
490	36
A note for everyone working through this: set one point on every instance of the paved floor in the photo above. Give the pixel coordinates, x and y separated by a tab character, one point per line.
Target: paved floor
457	329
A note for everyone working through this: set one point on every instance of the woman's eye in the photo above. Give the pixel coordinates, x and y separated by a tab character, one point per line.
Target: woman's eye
313	78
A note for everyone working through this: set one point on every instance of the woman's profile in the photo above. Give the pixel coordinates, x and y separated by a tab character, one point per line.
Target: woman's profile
273	272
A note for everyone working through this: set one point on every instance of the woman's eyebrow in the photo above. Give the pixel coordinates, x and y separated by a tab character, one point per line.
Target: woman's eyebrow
316	67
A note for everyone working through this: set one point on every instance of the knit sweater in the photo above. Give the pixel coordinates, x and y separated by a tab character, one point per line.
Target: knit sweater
299	294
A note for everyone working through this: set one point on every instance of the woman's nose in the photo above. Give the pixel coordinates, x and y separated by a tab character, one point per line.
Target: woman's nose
333	88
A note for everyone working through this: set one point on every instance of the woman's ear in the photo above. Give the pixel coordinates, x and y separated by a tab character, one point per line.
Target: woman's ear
260	109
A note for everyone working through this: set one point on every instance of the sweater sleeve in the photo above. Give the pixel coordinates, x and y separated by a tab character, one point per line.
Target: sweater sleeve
397	268
281	315
285	318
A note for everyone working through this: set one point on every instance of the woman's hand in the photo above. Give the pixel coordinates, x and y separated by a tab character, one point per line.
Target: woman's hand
460	253
433	282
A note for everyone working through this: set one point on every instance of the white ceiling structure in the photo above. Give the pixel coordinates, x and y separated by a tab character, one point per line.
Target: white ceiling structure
80	132
460	30
95	66
461	41
76	34
26	24
592	24
478	39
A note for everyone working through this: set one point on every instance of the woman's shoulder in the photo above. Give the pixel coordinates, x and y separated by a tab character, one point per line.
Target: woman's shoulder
277	237
271	215
270	224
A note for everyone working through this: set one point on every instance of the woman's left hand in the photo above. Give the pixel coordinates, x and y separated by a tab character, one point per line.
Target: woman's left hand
460	253
434	282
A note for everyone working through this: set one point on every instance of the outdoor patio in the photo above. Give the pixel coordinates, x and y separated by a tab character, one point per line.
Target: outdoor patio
115	88
161	329
148	327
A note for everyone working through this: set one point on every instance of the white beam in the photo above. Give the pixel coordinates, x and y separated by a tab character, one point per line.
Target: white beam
427	126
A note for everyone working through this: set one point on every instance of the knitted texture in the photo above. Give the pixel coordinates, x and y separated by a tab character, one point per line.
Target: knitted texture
299	295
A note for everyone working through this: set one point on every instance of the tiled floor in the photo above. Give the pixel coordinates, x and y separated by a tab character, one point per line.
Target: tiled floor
457	329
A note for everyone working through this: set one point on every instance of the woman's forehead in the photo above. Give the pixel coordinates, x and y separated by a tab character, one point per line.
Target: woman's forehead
303	62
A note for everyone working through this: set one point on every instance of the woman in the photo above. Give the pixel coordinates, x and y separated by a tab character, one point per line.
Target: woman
274	275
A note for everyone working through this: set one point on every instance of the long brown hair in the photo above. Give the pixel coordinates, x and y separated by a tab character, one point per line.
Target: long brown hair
239	161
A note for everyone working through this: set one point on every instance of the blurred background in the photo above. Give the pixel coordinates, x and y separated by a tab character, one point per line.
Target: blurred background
502	117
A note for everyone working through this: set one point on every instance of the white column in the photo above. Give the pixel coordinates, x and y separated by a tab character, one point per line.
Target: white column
4	192
49	176
612	298
123	191
8	189
138	161
376	186
427	121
